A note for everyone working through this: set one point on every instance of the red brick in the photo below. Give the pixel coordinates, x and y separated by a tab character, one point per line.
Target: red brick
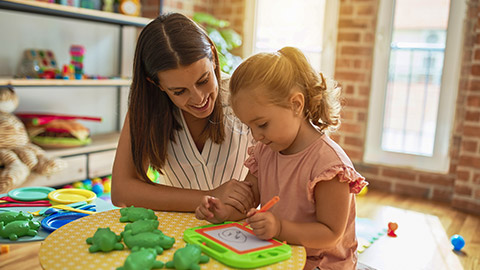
346	9
469	161
355	141
472	116
477	54
473	101
411	190
348	37
375	183
357	103
356	50
463	175
353	154
437	180
463	190
475	70
354	24
350	76
342	63
361	117
471	131
363	168
476	179
351	128
399	174
442	195
469	146
365	9
477	194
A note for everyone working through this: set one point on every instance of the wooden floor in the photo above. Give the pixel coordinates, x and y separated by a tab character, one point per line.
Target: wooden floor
424	231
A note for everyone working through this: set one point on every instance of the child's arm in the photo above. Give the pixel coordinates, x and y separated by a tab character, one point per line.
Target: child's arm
332	200
215	211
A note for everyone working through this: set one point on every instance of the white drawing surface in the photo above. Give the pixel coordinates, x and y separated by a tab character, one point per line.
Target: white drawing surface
237	238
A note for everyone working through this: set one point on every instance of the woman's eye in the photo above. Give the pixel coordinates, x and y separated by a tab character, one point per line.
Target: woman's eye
264	125
203	82
178	93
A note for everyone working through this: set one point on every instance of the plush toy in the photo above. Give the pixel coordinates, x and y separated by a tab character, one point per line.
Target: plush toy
18	156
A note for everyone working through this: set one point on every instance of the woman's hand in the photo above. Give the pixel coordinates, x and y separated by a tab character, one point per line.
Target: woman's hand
238	194
212	210
265	225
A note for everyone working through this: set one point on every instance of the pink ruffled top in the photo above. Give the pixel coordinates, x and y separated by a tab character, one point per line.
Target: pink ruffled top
293	179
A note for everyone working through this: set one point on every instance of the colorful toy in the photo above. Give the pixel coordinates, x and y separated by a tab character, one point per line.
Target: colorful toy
392	227
188	258
363	192
19	228
143	259
132	213
139	226
4	249
11	216
235	245
130	7
38	63
104	240
457	241
18	156
77	53
154	239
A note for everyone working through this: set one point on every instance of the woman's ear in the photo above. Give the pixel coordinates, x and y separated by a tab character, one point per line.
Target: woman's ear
297	100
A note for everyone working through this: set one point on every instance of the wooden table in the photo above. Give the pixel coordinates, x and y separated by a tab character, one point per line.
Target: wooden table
66	248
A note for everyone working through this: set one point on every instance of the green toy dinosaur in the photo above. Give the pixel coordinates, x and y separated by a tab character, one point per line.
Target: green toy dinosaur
143	259
7	217
188	258
132	213
104	240
19	228
154	239
139	226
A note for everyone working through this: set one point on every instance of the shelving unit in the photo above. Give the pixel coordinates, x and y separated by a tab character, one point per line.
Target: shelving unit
95	159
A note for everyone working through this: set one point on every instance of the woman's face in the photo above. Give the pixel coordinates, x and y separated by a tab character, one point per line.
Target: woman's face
192	88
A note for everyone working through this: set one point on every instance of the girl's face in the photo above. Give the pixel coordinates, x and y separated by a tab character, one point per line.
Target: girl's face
192	88
270	124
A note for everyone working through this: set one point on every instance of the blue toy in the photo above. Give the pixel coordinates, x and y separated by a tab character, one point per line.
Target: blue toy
457	241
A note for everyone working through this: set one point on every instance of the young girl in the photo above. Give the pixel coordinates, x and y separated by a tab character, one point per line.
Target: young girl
289	107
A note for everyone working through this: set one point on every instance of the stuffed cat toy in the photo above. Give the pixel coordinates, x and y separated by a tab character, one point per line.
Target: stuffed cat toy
18	156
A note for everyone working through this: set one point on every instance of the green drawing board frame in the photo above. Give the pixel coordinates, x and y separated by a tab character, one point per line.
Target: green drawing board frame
236	246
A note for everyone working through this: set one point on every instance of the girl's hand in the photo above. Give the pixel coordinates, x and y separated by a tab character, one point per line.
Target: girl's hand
238	194
265	225
212	210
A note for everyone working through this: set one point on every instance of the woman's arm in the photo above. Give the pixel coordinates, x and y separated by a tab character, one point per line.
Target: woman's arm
332	200
128	189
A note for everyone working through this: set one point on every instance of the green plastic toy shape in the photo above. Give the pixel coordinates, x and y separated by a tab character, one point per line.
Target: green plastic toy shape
188	258
143	259
132	213
7	217
154	239
139	226
19	228
104	240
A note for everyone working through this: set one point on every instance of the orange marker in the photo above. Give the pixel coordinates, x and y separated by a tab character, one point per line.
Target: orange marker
267	206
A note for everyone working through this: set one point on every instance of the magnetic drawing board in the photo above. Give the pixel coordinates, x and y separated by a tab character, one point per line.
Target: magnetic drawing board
235	245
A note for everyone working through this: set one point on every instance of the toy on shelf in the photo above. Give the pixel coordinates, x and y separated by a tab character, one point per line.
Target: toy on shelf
143	259
104	240
77	53
130	7
188	257
18	156
457	241
72	3
100	186
38	63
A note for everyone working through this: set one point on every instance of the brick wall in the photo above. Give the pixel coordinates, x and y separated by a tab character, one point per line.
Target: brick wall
356	35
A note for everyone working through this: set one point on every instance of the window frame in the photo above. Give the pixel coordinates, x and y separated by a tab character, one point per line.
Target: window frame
332	9
439	162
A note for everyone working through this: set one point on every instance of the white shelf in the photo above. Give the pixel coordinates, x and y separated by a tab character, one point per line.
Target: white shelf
100	142
58	82
37	7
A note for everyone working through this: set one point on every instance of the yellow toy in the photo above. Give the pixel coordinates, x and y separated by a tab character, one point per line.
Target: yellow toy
18	156
130	7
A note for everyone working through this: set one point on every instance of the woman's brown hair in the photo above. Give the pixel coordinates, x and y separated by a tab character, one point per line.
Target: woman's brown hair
168	42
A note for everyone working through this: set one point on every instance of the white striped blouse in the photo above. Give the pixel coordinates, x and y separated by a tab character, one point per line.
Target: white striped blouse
187	168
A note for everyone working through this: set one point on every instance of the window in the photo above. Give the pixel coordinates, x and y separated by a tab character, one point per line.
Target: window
415	78
309	25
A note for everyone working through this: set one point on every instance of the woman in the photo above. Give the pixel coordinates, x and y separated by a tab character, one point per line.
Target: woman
178	123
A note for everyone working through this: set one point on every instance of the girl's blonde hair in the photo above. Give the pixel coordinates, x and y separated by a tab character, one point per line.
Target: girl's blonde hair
282	72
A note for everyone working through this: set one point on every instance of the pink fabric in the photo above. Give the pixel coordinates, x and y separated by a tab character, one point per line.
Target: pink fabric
293	179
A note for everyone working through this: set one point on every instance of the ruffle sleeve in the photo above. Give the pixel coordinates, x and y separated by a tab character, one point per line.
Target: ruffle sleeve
251	162
345	174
